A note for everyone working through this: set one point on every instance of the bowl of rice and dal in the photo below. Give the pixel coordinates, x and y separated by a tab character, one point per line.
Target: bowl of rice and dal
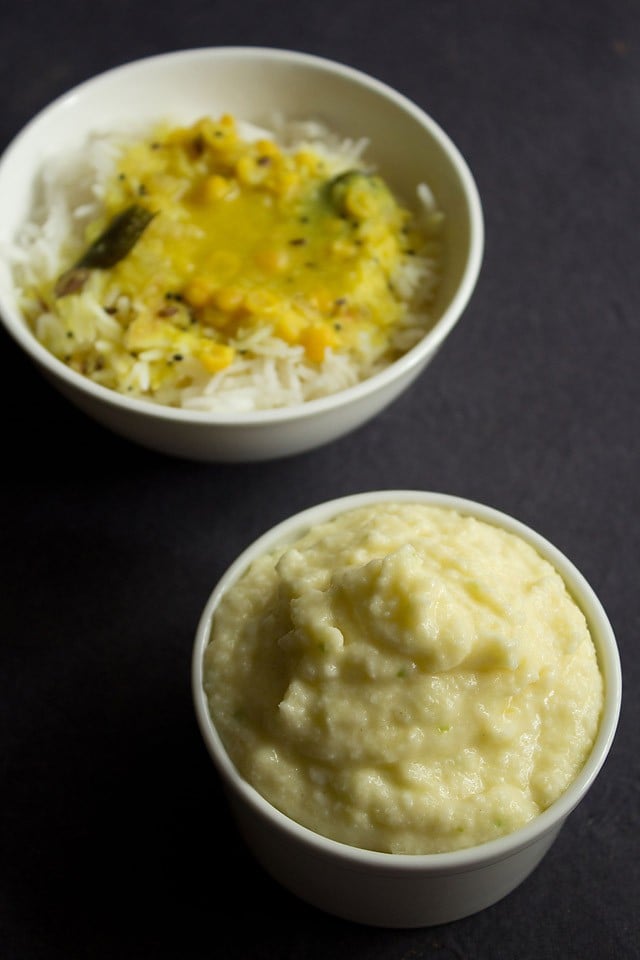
254	256
405	695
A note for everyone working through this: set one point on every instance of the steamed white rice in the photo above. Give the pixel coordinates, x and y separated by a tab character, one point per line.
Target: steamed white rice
267	372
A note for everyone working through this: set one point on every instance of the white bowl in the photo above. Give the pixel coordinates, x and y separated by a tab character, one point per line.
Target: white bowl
395	890
407	146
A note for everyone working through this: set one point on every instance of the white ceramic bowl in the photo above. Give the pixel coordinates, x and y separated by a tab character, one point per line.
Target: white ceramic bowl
407	146
388	889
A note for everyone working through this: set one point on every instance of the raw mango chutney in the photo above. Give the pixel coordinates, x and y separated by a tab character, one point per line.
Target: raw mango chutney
404	678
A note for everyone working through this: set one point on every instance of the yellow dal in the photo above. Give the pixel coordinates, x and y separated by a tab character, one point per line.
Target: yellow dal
245	235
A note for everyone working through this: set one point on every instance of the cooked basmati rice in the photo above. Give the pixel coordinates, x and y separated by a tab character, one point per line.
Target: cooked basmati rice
267	372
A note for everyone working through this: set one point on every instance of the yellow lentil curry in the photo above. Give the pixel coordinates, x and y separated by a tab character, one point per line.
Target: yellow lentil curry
208	236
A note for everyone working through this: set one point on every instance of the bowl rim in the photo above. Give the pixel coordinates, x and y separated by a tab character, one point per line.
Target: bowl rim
405	366
469	858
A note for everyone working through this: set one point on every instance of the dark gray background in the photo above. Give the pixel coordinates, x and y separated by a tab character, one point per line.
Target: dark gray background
113	831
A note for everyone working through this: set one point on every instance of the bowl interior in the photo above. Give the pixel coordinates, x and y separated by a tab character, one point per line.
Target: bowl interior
547	821
253	83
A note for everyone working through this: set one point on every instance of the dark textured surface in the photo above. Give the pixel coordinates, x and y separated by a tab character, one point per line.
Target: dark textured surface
113	829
